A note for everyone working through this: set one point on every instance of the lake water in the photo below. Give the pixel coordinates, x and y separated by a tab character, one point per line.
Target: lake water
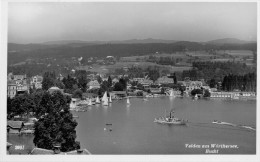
134	132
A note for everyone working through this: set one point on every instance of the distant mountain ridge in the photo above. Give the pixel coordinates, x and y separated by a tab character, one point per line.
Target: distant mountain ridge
228	41
130	41
20	52
14	47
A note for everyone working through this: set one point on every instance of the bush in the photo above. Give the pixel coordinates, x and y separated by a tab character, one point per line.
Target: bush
206	93
196	91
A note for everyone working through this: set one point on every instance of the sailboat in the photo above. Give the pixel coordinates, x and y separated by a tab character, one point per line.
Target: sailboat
97	100
90	102
127	101
105	99
110	99
196	96
172	94
105	103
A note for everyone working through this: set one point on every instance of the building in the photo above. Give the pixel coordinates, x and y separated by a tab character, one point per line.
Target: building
11	88
22	88
41	151
155	90
190	85
114	81
118	94
231	94
36	82
74	102
138	79
16	84
93	84
19	77
164	80
53	89
146	83
14	127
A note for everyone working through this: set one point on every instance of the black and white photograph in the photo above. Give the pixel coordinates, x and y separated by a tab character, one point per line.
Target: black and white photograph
129	78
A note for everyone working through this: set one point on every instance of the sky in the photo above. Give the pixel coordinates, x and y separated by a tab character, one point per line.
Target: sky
31	22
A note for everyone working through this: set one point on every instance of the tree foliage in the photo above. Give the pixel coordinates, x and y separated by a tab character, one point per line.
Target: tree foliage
245	82
196	91
56	124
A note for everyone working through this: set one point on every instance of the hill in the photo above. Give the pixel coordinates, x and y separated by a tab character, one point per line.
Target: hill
34	51
228	41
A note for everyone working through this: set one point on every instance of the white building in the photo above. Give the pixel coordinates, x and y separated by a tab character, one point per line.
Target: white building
93	84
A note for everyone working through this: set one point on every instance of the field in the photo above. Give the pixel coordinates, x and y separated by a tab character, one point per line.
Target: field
103	69
238	53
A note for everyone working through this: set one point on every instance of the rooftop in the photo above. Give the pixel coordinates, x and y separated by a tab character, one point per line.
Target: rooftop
15	124
41	151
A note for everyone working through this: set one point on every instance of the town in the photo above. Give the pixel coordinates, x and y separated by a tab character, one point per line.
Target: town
131	78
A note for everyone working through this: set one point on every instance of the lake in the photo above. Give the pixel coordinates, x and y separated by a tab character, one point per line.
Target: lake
131	129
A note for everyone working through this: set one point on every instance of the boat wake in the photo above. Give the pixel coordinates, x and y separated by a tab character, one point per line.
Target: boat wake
234	125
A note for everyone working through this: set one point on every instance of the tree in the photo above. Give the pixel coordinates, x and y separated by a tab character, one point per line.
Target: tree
10	110
196	91
206	93
47	83
139	93
99	79
140	86
118	87
212	83
81	76
68	83
109	80
123	82
56	124
48	80
77	93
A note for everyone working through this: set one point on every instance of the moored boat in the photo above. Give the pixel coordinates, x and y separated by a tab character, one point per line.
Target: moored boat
127	101
97	100
105	99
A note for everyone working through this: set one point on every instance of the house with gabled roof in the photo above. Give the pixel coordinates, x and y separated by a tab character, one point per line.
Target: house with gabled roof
14	127
93	84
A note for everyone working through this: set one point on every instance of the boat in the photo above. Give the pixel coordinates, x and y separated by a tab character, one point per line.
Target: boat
170	120
127	101
89	102
97	100
105	99
93	100
110	99
82	102
224	123
149	95
196	96
172	94
145	99
105	103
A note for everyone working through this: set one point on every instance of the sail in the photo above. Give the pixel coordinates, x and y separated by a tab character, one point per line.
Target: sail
105	103
172	94
90	102
97	100
104	98
110	99
128	101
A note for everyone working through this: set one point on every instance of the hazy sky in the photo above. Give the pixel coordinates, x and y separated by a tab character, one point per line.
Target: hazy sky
41	22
